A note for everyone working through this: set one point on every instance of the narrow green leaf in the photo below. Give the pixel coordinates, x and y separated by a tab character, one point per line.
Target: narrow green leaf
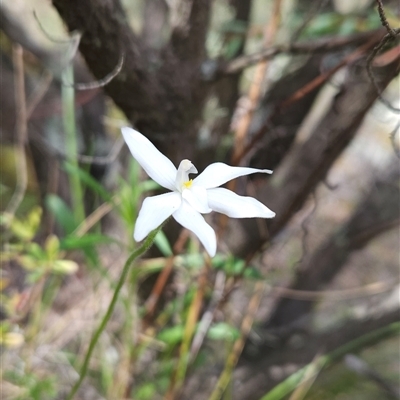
88	240
88	180
61	212
163	245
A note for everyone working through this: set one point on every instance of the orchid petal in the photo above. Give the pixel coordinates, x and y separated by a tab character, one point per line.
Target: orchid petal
219	173
156	165
155	210
185	168
194	221
197	198
227	202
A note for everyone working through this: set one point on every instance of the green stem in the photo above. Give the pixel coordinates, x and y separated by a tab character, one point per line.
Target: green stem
136	253
71	146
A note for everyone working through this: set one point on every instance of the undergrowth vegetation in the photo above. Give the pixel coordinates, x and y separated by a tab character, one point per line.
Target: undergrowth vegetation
88	313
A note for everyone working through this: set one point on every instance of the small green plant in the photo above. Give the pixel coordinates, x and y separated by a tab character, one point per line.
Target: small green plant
32	386
38	261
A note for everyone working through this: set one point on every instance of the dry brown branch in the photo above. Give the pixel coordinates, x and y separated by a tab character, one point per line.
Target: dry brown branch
283	127
227	89
328	44
254	93
315	8
101	82
391	35
96	216
384	20
387	38
309	162
318	81
253	97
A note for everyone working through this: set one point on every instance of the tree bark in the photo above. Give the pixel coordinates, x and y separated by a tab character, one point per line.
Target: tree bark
376	213
161	96
308	163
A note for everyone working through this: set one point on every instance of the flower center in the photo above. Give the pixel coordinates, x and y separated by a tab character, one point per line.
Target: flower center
182	180
188	184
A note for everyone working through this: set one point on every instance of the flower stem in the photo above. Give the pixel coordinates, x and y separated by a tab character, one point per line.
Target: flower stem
136	253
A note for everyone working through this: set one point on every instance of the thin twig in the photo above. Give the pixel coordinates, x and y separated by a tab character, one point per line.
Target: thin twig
312	12
317	46
392	33
96	216
254	95
102	82
73	47
21	133
299	94
257	82
388	37
384	20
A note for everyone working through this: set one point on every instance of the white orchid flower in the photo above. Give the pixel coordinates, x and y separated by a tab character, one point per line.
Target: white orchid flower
189	198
